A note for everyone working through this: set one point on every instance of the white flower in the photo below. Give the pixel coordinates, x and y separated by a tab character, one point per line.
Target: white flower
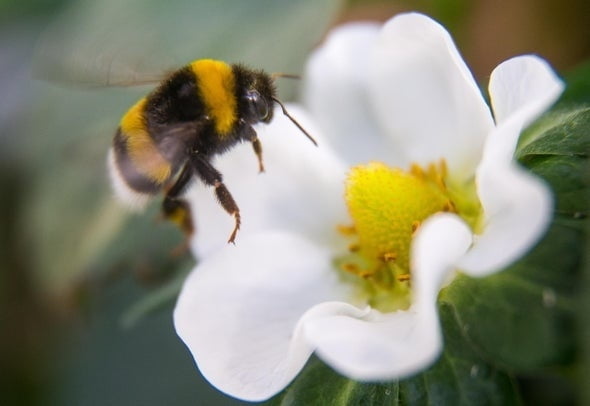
398	94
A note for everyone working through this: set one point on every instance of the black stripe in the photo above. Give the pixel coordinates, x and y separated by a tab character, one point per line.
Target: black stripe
176	100
244	81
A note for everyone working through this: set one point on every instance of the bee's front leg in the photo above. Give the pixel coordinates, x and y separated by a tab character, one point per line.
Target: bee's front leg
258	151
251	136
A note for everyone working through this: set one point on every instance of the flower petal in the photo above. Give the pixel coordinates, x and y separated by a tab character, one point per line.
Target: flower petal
517	208
335	92
523	85
301	184
439	242
425	96
521	89
375	346
517	205
238	311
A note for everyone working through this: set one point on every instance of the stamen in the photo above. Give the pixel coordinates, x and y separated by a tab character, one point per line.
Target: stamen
417	171
356	270
415	226
354	247
442	164
404	277
351	268
346	231
389	257
449	207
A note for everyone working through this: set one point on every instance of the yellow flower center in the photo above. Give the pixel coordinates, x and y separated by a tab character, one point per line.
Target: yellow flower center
387	206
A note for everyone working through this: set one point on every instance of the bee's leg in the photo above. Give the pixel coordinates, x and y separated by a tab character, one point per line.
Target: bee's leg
212	177
258	150
251	136
176	209
178	212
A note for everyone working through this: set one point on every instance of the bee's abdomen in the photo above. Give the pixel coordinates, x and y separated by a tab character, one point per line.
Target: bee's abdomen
136	162
137	173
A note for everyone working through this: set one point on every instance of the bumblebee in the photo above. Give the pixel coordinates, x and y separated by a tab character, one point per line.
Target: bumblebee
169	137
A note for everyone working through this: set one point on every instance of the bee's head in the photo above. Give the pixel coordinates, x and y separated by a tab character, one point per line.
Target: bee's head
256	93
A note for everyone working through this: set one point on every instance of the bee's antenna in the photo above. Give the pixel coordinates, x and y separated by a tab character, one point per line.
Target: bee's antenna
285	112
284	75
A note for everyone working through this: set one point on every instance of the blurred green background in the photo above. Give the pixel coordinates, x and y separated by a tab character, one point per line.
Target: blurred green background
86	289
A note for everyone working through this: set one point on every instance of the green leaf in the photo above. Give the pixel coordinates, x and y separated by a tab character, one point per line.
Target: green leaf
566	176
578	86
556	149
513	321
317	384
563	132
461	376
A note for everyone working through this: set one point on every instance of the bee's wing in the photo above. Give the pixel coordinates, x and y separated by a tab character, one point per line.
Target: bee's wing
138	80
180	131
67	53
175	140
108	78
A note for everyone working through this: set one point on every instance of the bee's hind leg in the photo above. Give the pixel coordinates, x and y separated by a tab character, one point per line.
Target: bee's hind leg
213	177
176	209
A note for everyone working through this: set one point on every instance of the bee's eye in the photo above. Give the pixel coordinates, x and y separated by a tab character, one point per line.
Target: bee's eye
258	107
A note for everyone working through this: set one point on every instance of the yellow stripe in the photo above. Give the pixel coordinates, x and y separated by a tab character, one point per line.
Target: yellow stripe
217	84
140	146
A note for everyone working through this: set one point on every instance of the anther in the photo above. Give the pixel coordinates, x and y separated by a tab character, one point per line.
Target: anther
354	247
417	171
403	277
351	268
449	207
443	168
389	257
346	230
356	270
432	171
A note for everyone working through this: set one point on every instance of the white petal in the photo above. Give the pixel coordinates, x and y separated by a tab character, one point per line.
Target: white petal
376	346
523	85
335	92
517	208
521	89
426	97
302	183
440	241
238	311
